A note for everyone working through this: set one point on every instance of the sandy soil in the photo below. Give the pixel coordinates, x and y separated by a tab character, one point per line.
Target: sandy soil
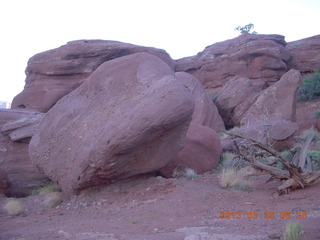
174	209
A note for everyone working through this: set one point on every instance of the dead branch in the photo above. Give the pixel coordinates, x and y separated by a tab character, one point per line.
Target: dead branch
297	174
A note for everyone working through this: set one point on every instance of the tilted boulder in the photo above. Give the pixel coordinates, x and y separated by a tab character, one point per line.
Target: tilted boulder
14	156
305	54
254	56
205	111
52	74
129	117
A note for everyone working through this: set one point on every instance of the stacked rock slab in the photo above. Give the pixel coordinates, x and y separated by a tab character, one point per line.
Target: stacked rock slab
262	58
305	54
55	73
129	117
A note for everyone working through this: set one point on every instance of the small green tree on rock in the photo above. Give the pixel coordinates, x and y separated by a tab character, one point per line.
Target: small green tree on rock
310	87
245	29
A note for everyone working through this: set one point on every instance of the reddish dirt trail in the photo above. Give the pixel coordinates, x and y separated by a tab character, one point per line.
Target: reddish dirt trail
173	209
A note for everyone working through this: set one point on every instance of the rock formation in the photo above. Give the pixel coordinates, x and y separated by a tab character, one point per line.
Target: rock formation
261	58
57	72
116	110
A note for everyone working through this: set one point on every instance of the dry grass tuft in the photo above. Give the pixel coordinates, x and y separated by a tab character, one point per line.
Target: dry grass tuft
188	173
306	133
293	231
13	207
232	178
52	199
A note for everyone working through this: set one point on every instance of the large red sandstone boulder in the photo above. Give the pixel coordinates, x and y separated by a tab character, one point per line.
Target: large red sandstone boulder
205	111
201	151
55	73
277	102
129	117
236	96
305	54
14	157
258	57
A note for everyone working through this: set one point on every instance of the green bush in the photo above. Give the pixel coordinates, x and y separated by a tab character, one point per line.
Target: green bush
317	114
287	155
315	159
245	29
310	88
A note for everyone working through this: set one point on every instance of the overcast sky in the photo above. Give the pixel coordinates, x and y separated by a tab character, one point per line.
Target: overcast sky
181	27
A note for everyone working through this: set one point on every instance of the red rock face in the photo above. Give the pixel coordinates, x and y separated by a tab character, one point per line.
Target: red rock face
5	186
14	157
305	54
128	118
55	73
257	57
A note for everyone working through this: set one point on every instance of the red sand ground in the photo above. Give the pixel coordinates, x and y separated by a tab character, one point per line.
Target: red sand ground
173	209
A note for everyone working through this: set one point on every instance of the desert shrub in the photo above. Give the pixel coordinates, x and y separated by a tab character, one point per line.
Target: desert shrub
317	114
52	199
287	155
310	88
230	159
234	179
245	29
293	231
13	207
49	187
306	133
315	159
